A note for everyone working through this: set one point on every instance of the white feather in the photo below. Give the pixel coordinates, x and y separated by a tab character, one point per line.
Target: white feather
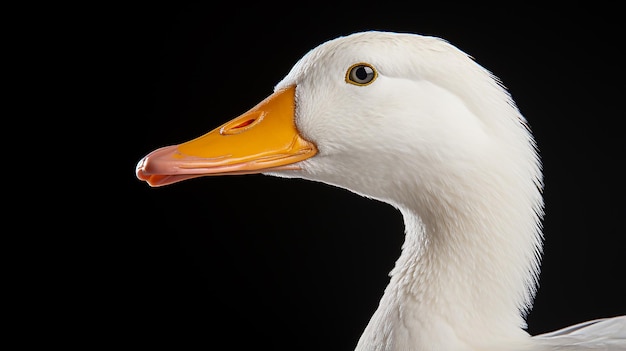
439	138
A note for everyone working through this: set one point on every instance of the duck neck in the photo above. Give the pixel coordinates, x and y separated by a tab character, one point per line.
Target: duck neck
465	277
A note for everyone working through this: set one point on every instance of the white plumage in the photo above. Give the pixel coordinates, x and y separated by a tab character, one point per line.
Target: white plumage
414	122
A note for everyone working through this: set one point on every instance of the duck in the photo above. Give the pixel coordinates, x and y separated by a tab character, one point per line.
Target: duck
413	121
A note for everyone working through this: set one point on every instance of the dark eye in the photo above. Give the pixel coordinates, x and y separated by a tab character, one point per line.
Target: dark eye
361	74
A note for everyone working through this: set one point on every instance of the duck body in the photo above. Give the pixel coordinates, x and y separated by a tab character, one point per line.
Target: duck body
414	122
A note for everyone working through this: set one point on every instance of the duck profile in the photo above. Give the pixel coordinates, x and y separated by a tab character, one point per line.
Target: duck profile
412	121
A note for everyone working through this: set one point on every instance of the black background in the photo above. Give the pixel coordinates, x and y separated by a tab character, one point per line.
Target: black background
289	264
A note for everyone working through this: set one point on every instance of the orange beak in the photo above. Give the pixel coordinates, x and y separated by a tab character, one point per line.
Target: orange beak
264	139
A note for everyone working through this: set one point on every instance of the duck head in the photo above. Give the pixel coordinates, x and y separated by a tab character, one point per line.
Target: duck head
373	112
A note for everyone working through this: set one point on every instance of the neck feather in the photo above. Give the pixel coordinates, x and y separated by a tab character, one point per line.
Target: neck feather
468	269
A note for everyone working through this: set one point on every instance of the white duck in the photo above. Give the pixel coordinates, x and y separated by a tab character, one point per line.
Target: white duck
412	121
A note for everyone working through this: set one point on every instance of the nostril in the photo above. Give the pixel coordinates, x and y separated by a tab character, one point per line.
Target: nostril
243	123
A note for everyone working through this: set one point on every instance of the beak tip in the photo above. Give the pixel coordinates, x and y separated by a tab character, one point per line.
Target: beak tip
140	172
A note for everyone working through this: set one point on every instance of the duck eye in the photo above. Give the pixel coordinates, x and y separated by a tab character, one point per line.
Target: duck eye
361	74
